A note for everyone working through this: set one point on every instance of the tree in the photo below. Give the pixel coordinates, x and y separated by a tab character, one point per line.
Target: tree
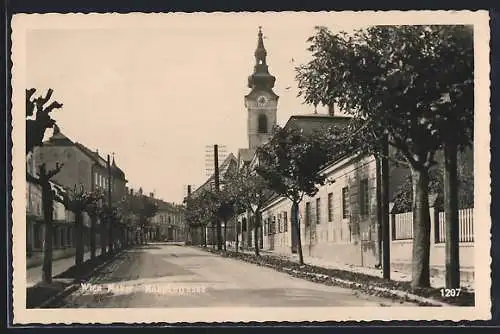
408	84
48	197
38	121
291	163
79	200
251	191
94	209
38	118
145	210
403	197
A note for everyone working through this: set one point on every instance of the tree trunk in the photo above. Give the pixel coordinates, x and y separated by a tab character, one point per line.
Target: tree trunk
421	228
79	238
256	232
48	233
103	238
379	213
451	212
384	204
236	234
110	236
204	235
214	241
225	234
219	234
93	222
296	226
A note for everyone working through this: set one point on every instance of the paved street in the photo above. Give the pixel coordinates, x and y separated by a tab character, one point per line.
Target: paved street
161	275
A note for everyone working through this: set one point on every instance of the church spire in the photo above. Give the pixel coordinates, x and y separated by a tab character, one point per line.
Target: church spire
261	77
260	52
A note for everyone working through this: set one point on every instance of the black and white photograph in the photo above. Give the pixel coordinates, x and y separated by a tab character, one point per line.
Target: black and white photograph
213	167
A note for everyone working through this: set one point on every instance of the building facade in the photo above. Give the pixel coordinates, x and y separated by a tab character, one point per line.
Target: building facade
168	223
82	168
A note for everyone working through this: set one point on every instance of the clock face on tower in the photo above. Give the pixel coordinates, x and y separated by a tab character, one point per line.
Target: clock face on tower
261	101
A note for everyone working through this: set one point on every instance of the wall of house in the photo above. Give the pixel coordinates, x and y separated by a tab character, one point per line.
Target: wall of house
77	166
347	228
277	236
63	229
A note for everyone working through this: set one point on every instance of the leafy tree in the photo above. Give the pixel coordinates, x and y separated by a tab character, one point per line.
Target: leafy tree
403	198
225	205
203	209
145	209
409	84
79	201
251	192
291	163
38	118
94	209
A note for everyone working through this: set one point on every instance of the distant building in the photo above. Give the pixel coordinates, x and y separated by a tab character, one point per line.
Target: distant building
169	221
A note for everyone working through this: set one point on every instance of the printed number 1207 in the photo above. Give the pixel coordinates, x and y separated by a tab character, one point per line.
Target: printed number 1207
450	292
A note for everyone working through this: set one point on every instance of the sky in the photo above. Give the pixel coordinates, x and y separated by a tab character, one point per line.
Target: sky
155	90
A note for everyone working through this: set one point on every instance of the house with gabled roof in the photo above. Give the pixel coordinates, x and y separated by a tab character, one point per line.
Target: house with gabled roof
82	166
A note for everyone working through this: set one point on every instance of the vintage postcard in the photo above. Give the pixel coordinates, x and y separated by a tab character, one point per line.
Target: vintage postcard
237	167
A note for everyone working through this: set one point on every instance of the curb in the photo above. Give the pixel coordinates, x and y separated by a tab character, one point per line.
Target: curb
75	285
407	296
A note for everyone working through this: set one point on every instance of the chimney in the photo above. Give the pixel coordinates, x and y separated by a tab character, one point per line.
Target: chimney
331	110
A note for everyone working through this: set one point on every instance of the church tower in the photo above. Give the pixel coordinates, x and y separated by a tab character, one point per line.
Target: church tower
261	102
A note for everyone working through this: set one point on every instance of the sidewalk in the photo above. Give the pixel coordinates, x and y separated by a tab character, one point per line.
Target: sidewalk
398	276
34	274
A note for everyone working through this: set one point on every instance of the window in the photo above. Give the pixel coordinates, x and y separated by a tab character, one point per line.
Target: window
279	223
330	207
363	200
262	123
285	222
318	210
308	214
345	202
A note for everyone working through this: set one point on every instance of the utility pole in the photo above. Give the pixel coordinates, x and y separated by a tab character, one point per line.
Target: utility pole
384	198
217	188
187	225
108	165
